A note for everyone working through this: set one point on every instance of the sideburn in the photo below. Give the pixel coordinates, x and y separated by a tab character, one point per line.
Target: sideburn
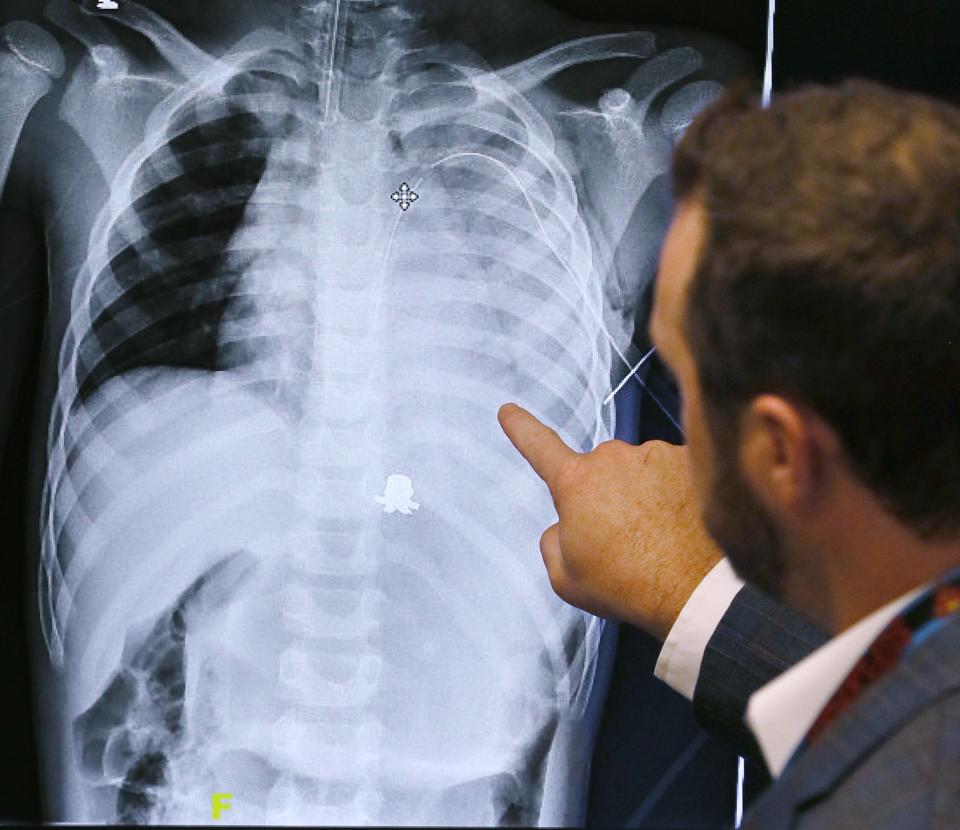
735	517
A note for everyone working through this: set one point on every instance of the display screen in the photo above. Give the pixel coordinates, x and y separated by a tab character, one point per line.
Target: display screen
284	563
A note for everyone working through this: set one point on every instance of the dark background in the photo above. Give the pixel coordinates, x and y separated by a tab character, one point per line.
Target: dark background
653	766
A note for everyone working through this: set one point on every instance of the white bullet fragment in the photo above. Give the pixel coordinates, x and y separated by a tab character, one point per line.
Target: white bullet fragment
398	495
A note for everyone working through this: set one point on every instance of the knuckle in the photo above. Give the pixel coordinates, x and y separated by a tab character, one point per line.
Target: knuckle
545	543
555	564
568	476
609	448
653	451
560	583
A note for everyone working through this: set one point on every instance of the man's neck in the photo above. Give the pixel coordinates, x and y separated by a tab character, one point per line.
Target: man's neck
863	568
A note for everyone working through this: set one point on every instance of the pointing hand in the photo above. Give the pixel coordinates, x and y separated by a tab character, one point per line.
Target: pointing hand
630	543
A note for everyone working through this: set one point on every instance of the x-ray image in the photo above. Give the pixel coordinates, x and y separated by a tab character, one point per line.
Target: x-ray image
286	564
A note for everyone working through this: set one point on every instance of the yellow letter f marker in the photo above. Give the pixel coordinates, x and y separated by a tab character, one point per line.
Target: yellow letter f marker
221	801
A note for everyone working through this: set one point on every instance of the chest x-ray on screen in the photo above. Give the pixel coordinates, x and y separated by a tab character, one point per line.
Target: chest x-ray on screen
286	564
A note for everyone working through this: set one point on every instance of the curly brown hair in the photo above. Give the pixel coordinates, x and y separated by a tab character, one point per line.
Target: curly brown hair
830	274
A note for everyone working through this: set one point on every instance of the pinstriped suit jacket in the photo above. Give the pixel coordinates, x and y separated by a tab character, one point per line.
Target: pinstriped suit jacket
892	762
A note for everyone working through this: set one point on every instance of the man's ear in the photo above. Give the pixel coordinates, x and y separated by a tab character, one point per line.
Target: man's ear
784	449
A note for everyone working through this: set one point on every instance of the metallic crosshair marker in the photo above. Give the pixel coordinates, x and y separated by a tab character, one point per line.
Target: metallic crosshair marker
404	196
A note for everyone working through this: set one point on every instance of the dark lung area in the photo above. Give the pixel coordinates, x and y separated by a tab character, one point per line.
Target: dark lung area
170	281
167	281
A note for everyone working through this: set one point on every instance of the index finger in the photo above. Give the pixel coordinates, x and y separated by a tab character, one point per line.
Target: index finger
544	450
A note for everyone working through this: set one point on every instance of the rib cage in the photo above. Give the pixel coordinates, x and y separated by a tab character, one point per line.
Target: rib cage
186	202
168	225
139	233
508	314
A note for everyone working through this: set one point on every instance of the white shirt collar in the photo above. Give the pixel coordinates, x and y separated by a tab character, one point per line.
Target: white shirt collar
781	712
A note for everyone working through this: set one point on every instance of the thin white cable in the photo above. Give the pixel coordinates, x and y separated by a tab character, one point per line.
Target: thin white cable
768	69
332	46
738	814
563	263
632	372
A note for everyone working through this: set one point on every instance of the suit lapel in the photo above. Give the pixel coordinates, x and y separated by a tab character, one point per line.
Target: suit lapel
927	674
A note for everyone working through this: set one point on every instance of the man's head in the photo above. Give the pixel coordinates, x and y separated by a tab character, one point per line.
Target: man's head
809	304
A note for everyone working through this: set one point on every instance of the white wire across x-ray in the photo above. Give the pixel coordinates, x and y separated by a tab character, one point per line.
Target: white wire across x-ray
560	259
336	27
767	92
630	374
546	238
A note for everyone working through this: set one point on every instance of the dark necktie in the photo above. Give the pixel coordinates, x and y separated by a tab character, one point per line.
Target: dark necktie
925	614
